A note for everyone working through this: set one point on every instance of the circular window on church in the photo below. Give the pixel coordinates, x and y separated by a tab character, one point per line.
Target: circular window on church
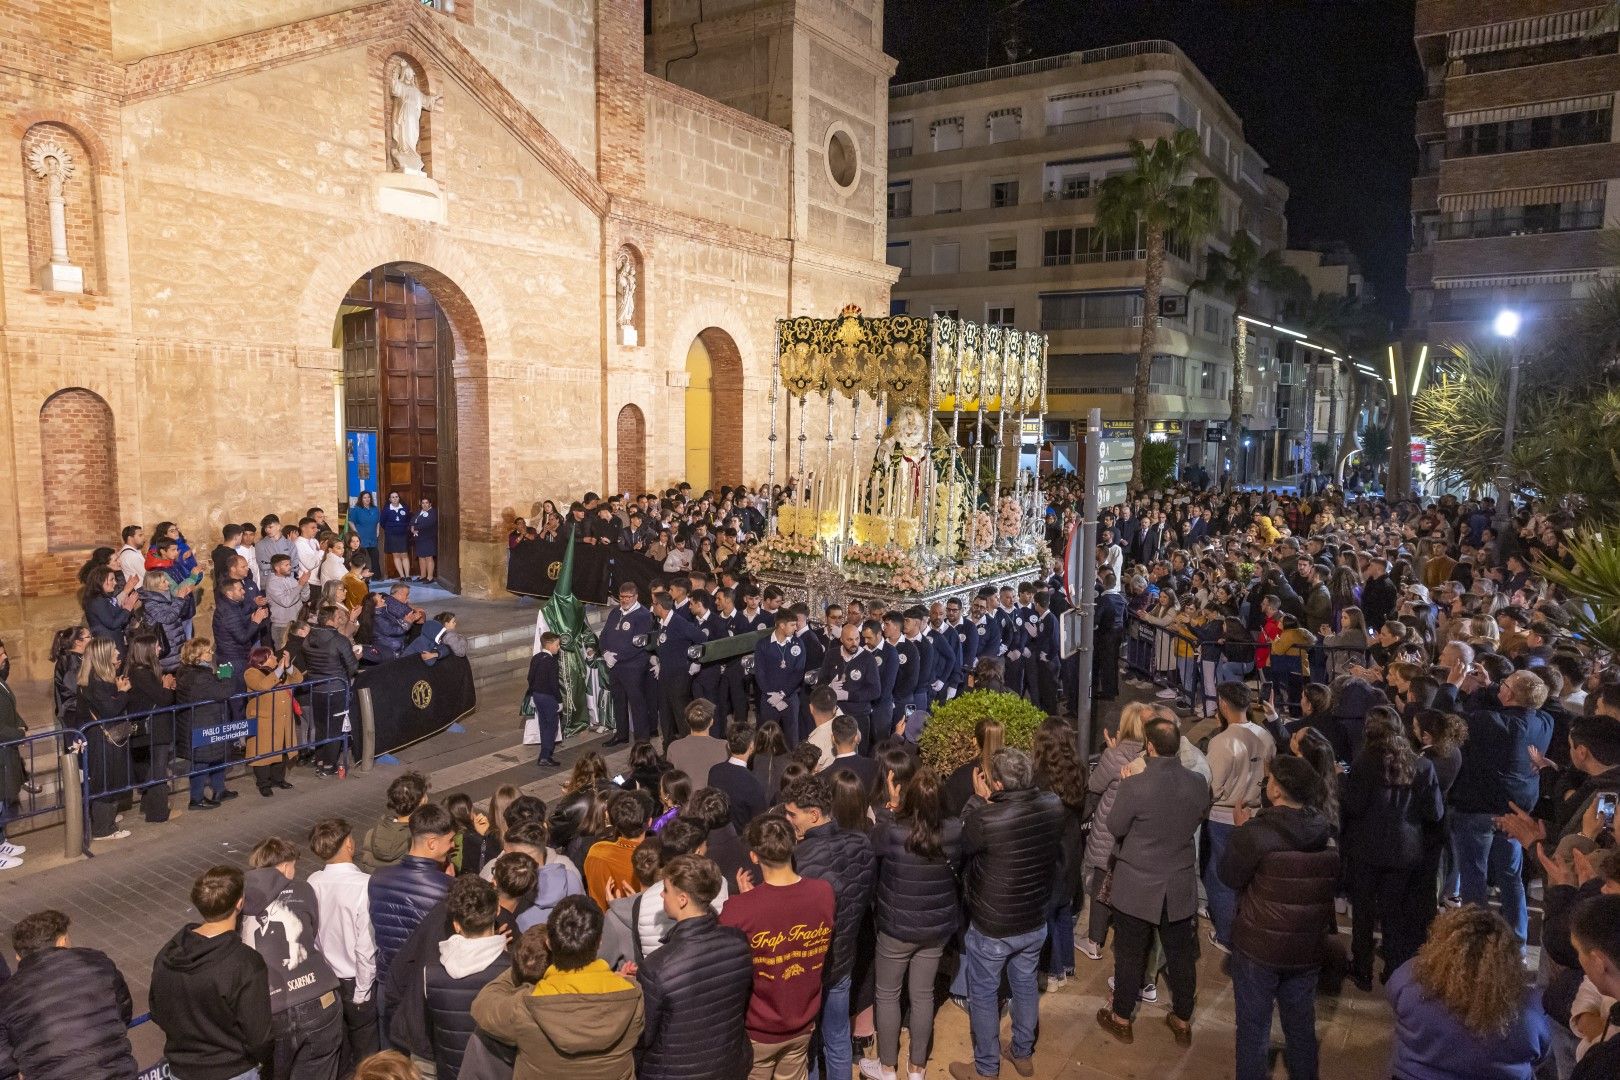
843	160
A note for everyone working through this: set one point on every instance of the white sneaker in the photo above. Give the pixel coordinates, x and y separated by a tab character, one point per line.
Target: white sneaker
1165	694
1149	993
1088	948
8	848
9	862
872	1069
119	835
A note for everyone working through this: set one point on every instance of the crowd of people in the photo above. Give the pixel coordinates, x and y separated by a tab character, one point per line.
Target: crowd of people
1365	739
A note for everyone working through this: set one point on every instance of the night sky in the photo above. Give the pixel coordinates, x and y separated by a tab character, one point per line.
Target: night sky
1325	89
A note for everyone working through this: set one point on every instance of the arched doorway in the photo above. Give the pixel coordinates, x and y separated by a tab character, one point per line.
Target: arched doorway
713	411
399	400
632	442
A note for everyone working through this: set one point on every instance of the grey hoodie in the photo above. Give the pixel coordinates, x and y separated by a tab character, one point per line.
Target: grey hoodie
279	921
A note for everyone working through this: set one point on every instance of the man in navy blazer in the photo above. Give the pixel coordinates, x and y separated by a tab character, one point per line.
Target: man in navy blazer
674	666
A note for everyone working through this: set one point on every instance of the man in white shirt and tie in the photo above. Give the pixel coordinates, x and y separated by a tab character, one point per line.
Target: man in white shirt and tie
344	936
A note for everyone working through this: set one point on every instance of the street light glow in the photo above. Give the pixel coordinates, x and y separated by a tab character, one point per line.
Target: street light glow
1506	323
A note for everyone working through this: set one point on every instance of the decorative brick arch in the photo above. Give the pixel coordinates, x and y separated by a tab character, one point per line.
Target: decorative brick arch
79	455
726	388
632	444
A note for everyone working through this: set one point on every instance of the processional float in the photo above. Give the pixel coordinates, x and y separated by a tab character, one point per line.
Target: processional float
913	519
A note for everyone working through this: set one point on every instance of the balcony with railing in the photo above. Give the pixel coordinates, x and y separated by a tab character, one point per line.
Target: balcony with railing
1035	67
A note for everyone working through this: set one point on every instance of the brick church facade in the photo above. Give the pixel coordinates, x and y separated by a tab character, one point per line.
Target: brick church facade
215	263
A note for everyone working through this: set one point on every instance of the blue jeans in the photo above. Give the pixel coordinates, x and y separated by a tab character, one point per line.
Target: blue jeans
1486	857
1222	900
215	779
835	1058
547	713
1060	935
1255	986
985	958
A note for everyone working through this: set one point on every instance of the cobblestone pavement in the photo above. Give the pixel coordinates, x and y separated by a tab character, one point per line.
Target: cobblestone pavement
132	896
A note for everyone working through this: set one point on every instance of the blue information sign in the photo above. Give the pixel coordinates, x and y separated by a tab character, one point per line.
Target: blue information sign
360	450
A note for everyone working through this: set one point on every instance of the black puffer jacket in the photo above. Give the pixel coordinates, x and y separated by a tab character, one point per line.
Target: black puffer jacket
327	654
844	859
447	1006
918	899
400	897
1286	875
1011	844
63	1016
695	991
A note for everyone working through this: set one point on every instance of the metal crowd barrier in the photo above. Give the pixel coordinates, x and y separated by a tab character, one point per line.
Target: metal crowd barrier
114	767
41	758
1195	677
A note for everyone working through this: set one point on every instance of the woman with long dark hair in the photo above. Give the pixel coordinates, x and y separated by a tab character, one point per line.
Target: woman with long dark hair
474	844
1441	736
67	654
364	518
770	756
150	688
916	911
1392	804
106	608
1058	769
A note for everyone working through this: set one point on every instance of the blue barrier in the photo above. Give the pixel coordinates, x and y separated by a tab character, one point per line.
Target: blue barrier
36	772
127	755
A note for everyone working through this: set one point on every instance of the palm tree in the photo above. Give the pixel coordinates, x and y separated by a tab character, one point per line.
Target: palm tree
1236	274
1349	328
1157	197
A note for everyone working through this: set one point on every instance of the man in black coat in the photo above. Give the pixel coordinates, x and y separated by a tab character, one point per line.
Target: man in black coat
695	989
1281	865
1011	847
465	963
65	1014
844	859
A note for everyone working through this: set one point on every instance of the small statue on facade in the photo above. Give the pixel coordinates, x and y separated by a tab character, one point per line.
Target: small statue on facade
409	103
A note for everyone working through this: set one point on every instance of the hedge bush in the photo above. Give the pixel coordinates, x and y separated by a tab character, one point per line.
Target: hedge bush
947	739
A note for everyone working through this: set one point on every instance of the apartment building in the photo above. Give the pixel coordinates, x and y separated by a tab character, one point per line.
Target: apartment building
993	181
1519	154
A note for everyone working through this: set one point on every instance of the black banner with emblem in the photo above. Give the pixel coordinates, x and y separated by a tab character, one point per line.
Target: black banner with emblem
411	699
533	566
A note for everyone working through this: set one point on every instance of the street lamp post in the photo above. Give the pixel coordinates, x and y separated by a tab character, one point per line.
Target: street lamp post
1506	326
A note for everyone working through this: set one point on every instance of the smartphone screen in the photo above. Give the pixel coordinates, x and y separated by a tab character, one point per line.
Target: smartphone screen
1606	801
620	780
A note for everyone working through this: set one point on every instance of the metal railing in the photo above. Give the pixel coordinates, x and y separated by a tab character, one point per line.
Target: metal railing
41	786
1034	67
1194	677
128	755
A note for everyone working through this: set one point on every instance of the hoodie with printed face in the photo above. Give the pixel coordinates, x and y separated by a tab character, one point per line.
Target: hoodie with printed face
211	997
278	921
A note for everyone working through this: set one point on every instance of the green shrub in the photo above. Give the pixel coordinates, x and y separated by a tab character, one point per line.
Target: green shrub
1158	463
947	739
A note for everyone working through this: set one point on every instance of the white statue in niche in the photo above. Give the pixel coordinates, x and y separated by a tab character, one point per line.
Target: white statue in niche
51	162
625	279
409	104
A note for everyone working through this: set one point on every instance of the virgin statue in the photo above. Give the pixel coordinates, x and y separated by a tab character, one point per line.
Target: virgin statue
907	456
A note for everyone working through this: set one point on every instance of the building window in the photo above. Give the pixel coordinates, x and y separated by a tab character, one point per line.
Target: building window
899	138
1003	253
947	257
1547	52
1088	244
1005	125
998	316
1425	230
1090	310
899	307
948	197
946	134
1430	155
900	199
1521	220
899	254
1179	377
1530	133
1004	193
948	312
1206	379
1159	371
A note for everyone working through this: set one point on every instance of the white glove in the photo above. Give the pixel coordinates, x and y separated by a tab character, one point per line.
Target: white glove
776	700
1013	654
938	686
655	667
841	693
610	658
694	669
837	685
951	693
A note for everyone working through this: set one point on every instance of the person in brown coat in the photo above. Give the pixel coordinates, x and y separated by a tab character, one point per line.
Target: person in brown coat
274	713
580	1021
